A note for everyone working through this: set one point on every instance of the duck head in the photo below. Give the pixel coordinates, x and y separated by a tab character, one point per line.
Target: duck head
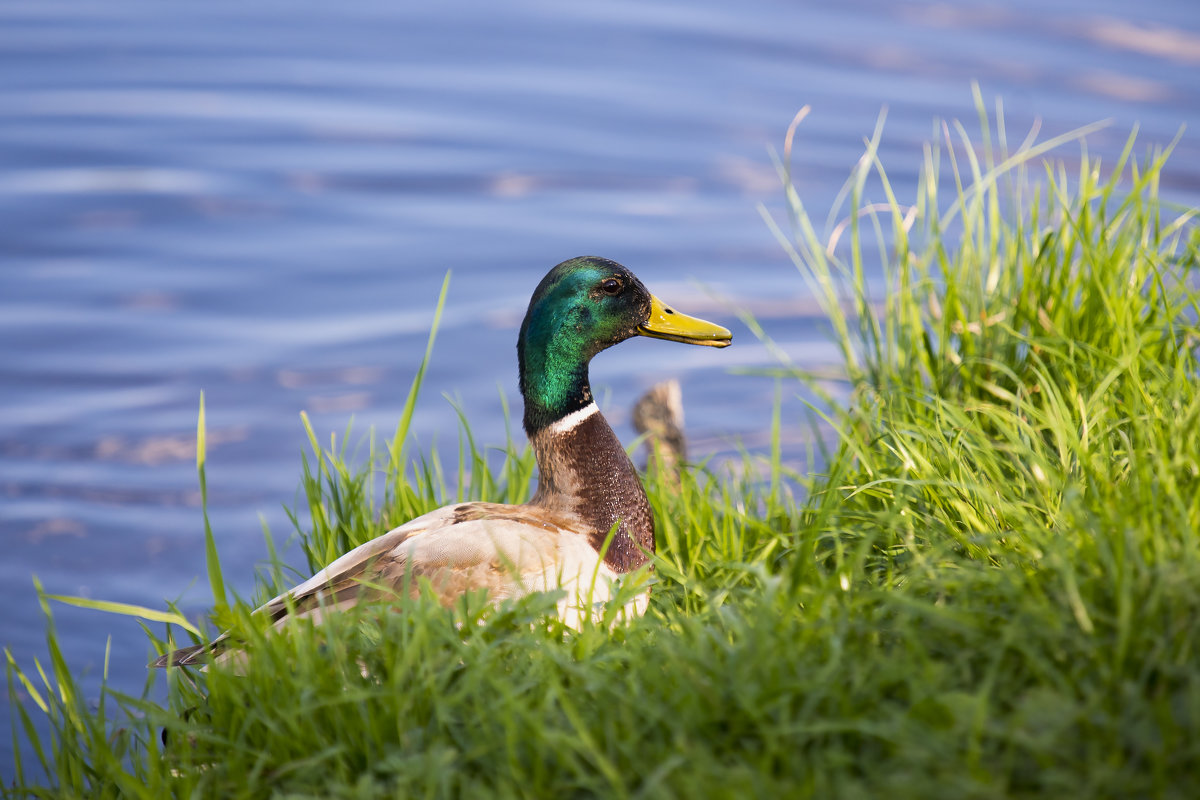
581	307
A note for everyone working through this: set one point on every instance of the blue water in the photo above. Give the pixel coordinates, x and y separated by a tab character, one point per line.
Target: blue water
260	201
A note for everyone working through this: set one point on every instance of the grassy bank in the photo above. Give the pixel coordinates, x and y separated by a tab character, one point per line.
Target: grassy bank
992	589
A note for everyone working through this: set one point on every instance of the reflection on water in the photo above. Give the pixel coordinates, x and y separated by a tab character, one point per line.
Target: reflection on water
260	203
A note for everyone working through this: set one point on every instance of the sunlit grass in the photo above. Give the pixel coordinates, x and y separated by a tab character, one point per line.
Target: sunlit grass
992	589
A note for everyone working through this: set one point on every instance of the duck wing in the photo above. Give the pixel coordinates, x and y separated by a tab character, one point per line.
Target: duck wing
507	550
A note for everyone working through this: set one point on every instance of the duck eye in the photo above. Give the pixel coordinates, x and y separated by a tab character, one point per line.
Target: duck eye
611	286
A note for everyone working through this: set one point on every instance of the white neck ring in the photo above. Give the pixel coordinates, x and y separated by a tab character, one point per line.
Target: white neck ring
572	420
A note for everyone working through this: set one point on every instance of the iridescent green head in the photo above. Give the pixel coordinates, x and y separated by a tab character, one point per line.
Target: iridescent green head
581	307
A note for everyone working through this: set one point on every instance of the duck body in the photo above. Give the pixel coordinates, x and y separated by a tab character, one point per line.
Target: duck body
589	521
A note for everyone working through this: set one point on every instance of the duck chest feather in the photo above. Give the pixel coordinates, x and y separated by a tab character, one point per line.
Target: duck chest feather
585	473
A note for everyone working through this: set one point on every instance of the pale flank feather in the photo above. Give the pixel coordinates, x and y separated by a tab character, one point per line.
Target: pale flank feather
508	550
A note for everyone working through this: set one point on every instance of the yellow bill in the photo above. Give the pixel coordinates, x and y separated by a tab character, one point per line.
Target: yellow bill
667	323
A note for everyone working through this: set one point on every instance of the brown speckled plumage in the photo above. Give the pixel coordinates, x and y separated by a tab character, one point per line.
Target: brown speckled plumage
586	473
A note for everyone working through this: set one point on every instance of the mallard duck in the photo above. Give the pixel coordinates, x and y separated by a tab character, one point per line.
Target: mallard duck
589	521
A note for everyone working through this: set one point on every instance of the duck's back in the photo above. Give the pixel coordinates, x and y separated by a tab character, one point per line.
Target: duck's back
509	551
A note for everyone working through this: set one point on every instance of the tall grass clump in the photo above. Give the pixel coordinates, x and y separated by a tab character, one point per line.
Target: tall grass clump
991	590
1016	494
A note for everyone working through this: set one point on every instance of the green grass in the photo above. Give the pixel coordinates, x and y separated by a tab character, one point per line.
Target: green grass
992	589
